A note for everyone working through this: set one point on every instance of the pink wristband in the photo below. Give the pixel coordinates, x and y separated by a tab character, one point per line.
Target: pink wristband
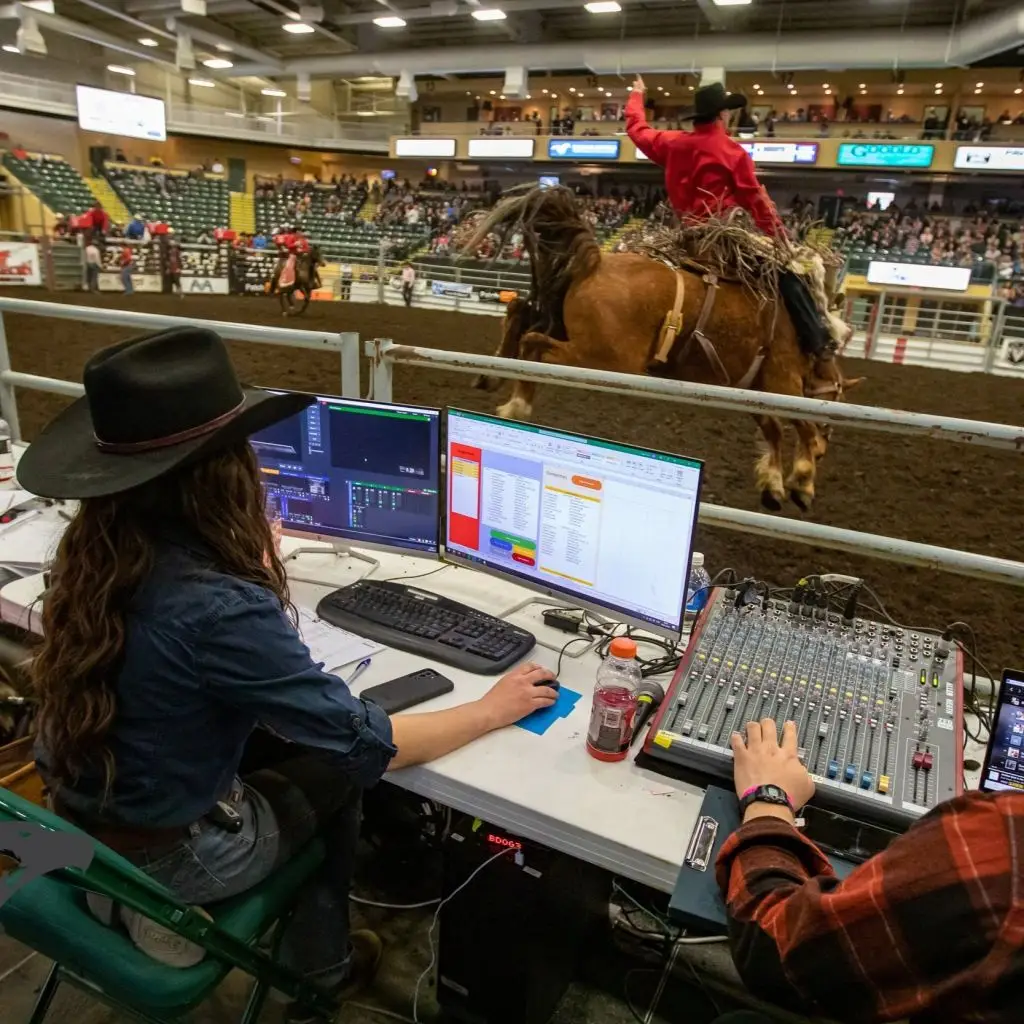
754	789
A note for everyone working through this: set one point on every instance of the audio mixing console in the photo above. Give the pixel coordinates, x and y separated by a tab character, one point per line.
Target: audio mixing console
878	709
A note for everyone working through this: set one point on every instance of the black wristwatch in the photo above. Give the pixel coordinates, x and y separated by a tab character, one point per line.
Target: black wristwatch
765	795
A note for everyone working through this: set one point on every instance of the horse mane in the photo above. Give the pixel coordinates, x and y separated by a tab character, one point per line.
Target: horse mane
562	246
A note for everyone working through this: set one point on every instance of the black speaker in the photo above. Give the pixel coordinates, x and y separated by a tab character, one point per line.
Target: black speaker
510	941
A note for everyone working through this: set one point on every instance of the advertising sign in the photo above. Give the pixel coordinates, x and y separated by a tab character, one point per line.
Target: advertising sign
583	149
19	263
920	275
885	154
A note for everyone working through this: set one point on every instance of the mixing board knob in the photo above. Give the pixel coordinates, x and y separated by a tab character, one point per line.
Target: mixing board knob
928	762
917	762
858	718
851	772
688	727
702	732
883	784
873	723
833	769
866	779
890	725
730	703
823	730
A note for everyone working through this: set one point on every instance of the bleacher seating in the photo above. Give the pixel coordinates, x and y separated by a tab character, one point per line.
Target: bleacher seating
57	184
285	207
192	205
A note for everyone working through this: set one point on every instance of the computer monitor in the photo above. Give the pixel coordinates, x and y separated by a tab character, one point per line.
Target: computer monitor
608	525
359	473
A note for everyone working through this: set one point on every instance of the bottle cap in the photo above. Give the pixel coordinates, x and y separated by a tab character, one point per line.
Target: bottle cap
623	647
698	560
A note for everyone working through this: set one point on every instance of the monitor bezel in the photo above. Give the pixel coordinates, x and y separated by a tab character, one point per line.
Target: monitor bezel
344	543
574	599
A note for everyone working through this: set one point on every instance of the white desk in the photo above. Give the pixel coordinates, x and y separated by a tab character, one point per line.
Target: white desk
624	819
631	822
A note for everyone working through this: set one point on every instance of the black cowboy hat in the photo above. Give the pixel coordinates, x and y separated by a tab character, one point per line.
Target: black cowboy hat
711	100
151	405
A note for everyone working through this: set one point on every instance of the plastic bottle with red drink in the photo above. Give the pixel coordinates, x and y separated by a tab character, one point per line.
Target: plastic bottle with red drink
614	709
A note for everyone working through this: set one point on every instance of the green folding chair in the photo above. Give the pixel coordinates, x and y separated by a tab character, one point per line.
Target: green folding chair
49	914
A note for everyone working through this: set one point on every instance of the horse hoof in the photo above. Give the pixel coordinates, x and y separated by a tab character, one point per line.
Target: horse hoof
770	502
802	500
483	383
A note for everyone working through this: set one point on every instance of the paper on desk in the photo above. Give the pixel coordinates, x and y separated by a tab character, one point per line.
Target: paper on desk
31	540
14	498
333	646
540	721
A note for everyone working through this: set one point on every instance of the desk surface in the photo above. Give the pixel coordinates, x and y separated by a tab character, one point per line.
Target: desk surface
544	787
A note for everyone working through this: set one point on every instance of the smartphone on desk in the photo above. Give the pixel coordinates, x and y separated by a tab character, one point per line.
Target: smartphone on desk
408	691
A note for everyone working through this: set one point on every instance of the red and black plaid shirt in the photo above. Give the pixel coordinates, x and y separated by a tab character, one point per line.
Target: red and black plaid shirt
931	930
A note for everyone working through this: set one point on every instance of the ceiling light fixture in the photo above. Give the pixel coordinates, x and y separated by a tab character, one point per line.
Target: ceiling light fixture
298	28
544	91
603	7
147	41
218	64
489	14
1016	92
8	48
120	69
202	83
494	92
732	3
938	85
977	92
572	88
233	113
366	113
824	85
502	96
899	91
863	85
273	92
224	48
389	21
979	85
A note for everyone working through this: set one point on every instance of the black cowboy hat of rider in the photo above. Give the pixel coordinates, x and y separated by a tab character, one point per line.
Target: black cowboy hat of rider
711	100
151	405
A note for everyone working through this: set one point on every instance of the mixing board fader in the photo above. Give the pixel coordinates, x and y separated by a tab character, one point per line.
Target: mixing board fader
878	709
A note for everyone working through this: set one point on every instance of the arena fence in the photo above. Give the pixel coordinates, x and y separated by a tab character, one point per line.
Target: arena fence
385	354
346	344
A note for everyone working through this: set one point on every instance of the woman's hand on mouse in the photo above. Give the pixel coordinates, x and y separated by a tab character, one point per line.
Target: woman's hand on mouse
518	693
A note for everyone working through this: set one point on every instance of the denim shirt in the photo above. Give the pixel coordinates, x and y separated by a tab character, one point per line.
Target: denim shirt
208	657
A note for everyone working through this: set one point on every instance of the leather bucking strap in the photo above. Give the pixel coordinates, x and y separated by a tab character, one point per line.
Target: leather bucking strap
672	324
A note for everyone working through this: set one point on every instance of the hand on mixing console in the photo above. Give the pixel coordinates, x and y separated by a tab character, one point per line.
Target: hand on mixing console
763	761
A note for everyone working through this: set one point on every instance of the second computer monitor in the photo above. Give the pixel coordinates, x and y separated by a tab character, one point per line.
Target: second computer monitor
607	524
360	472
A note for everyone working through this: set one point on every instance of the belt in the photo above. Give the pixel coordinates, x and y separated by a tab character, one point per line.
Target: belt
129	839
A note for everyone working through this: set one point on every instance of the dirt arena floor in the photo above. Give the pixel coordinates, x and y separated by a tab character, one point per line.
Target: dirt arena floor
929	491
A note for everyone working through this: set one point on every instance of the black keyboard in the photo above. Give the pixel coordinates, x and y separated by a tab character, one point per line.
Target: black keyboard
401	616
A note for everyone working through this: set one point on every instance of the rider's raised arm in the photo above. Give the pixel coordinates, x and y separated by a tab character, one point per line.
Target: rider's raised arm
753	197
648	140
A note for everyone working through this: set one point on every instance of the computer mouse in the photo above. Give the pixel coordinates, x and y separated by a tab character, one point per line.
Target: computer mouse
553	683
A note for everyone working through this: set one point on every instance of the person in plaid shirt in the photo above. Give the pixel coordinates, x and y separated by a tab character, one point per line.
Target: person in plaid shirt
930	930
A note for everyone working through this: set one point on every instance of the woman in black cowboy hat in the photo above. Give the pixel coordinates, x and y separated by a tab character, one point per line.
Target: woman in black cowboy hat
169	637
706	172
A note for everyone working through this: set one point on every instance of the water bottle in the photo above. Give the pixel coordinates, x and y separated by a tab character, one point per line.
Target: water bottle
6	457
614	709
698	590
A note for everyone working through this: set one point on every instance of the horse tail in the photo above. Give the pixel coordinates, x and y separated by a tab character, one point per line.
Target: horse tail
562	246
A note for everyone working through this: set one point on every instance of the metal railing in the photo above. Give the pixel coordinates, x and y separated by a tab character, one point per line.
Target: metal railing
346	344
385	355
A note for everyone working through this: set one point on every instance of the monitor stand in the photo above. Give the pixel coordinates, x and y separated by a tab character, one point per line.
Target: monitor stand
552	639
335	550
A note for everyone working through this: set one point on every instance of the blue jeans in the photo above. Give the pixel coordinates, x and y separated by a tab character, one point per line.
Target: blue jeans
126	280
282	808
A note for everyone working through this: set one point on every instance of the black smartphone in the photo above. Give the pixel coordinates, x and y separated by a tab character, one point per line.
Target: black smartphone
408	691
1004	760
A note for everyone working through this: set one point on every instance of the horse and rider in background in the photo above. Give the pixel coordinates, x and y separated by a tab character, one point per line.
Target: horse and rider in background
297	274
711	301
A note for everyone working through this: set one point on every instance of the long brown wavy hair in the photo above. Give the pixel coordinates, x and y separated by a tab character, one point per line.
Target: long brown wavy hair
107	551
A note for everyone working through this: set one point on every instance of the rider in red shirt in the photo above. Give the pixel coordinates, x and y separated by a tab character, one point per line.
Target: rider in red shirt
706	172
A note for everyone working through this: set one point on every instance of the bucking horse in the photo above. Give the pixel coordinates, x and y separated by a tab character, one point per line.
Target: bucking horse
627	312
296	273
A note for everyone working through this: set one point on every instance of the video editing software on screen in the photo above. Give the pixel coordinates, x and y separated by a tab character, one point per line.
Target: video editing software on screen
357	471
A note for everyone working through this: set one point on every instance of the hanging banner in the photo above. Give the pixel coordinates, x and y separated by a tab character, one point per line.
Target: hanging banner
20	263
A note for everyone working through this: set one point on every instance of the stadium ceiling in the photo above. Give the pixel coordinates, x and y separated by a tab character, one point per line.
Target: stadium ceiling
344	38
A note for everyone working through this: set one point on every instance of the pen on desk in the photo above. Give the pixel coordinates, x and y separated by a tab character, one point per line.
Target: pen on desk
358	671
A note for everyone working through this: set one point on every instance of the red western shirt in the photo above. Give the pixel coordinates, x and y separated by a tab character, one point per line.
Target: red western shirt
932	929
706	172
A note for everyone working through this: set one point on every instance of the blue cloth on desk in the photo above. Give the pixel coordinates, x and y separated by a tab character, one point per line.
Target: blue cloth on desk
540	721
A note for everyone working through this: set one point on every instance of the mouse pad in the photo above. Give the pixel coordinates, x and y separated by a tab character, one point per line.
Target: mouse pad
540	721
